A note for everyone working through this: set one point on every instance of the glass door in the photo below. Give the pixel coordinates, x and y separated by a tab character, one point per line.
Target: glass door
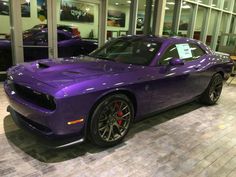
77	27
56	28
34	29
5	40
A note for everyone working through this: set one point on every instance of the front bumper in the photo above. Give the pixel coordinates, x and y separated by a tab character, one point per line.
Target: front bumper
51	125
51	141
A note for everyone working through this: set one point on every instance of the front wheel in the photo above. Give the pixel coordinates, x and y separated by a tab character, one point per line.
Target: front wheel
213	91
111	120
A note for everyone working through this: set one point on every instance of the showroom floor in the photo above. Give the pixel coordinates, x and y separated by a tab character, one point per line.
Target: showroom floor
191	140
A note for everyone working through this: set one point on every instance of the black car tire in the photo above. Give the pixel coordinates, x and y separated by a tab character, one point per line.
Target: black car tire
107	129
213	91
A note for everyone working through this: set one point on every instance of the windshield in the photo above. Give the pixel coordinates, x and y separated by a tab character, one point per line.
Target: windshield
138	51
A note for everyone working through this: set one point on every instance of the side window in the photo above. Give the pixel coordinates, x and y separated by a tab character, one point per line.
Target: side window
170	53
196	51
62	37
184	51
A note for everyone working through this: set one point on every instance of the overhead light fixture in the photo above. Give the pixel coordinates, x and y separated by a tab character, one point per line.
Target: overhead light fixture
129	2
116	3
167	8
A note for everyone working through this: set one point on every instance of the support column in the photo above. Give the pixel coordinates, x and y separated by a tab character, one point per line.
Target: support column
16	32
133	17
158	17
176	16
102	26
147	19
52	28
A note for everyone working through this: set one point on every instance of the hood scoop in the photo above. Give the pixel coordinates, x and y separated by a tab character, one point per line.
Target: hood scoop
42	65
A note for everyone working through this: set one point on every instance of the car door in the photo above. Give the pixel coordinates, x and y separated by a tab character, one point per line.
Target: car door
174	84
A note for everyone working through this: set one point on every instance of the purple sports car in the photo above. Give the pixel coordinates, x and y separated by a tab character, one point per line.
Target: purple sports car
98	96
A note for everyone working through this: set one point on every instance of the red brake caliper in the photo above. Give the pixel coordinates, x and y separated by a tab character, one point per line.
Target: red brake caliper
119	113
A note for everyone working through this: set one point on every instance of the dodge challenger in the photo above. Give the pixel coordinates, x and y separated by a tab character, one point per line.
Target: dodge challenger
99	95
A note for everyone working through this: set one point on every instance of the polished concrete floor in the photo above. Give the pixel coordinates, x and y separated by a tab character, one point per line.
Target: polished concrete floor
191	140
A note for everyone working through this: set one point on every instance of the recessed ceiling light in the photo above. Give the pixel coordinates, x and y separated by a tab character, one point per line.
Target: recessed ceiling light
167	8
116	3
129	2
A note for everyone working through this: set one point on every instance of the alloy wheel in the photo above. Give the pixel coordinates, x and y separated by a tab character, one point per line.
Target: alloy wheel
114	120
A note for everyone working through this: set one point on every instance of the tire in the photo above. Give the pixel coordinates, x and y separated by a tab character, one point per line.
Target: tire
110	121
213	91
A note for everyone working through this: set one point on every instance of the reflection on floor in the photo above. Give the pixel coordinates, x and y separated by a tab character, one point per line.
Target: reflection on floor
191	140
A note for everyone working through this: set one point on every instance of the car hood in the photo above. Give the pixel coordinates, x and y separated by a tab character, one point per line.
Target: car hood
63	72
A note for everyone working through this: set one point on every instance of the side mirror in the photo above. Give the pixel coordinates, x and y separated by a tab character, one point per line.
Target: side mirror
176	62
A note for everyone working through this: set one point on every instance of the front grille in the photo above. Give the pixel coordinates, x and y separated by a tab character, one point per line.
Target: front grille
37	98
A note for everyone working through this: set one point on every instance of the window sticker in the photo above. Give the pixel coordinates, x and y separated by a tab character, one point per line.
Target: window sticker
184	51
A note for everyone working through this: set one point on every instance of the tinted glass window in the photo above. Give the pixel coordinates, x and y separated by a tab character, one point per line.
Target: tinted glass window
193	52
196	51
139	51
170	53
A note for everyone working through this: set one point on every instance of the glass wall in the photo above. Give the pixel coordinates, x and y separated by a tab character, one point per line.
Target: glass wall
206	14
168	20
77	24
201	15
140	17
5	47
215	3
185	19
234	7
34	28
227	4
211	27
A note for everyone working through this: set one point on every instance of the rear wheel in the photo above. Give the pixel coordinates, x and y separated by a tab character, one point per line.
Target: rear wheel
213	91
111	120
